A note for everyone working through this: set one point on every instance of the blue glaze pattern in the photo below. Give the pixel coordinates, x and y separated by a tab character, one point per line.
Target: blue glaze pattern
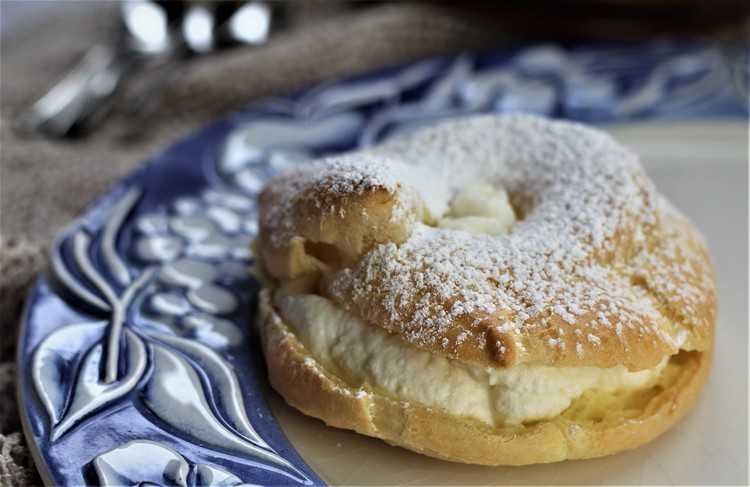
139	362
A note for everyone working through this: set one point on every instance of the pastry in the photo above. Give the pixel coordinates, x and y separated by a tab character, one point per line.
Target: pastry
498	290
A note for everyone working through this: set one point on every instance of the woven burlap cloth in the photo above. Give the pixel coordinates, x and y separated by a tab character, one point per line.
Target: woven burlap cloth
45	184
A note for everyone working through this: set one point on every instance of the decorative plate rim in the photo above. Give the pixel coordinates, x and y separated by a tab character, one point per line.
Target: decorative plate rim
577	83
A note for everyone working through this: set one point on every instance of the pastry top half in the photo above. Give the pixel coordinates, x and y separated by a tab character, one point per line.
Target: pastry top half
496	242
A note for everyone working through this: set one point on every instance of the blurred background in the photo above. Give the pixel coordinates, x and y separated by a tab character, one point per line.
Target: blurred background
143	65
89	89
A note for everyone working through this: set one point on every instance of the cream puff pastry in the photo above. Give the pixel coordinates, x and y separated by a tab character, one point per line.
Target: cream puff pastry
499	290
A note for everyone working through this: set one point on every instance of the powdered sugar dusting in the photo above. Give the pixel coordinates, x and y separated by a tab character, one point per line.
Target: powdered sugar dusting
315	184
579	194
575	185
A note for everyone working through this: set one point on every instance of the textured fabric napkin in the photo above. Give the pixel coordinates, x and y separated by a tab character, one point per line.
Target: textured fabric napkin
45	184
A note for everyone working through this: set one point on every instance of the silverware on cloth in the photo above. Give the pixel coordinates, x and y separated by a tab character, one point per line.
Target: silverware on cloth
155	39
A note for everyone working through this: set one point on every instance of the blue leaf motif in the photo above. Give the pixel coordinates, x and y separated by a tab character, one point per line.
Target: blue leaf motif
146	462
115	219
176	395
284	132
141	462
210	476
55	357
352	95
70	283
222	377
91	393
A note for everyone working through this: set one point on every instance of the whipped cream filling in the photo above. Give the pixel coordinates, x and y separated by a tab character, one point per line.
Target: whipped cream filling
368	356
479	208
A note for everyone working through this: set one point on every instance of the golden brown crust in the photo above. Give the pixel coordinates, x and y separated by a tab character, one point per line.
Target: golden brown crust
670	270
319	229
641	293
573	435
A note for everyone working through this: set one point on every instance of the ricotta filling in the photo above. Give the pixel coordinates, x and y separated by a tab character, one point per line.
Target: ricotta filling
368	356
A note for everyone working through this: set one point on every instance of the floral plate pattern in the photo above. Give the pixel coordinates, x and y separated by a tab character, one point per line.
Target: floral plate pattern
140	364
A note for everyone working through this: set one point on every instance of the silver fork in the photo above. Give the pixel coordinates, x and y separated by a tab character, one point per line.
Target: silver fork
156	37
85	94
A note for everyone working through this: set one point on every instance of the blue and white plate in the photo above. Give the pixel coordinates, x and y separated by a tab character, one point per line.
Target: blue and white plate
138	358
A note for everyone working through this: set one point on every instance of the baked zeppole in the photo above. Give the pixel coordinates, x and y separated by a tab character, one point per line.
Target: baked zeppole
498	290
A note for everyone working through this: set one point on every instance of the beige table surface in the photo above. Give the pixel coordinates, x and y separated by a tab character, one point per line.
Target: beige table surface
703	168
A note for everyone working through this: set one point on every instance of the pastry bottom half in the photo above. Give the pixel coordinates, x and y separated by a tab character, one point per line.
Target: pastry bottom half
595	424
